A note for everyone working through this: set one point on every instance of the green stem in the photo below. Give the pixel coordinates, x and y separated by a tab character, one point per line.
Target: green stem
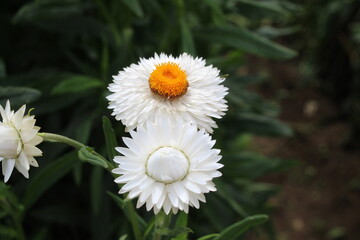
133	219
161	221
52	137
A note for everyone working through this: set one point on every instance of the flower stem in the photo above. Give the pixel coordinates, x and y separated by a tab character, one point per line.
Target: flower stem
162	221
52	137
133	219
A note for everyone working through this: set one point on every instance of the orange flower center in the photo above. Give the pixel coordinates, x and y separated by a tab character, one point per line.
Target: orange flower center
168	80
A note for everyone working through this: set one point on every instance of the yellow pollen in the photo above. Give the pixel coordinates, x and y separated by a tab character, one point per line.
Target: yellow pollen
168	80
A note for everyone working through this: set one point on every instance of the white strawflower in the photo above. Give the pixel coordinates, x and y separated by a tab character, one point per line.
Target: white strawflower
17	141
182	87
169	165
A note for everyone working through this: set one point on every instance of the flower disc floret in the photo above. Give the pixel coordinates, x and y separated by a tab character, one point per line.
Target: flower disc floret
168	80
168	166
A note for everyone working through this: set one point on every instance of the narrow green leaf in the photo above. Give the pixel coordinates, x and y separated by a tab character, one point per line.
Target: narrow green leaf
110	138
83	129
136	221
46	177
181	222
87	154
245	40
149	228
235	230
253	123
77	173
123	237
76	84
135	7
187	41
272	32
224	193
209	236
175	234
18	95
96	189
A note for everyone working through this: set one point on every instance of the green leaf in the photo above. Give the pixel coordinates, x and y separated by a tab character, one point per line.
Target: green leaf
18	95
235	230
187	41
245	40
123	237
175	234
209	236
46	177
77	173
253	123
96	189
87	154
76	84
181	223
110	138
83	130
150	226
135	7
136	221
271	32
224	193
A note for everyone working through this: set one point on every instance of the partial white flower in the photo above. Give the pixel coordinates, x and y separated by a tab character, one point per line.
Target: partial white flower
17	141
169	165
182	87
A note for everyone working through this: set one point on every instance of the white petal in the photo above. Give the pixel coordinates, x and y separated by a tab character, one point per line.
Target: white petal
158	189
32	150
32	161
172	195
22	169
181	192
192	187
23	160
7	168
167	206
18	117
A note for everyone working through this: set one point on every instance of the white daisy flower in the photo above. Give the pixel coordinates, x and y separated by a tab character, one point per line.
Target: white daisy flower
168	166
182	87
17	141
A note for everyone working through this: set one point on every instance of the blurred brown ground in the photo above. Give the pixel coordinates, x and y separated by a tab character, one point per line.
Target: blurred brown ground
319	198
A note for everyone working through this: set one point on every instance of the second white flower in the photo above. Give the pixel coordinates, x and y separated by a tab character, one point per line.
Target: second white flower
168	166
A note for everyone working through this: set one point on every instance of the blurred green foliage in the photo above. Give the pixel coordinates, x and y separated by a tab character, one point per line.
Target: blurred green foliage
330	46
58	56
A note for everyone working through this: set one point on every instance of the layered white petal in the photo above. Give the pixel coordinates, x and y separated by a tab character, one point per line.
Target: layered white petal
18	140
170	174
134	103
